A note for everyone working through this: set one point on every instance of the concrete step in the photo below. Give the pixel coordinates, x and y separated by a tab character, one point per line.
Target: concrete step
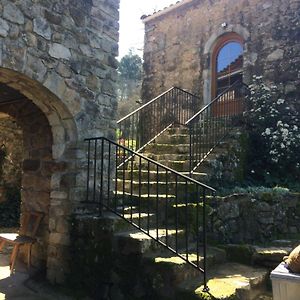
227	281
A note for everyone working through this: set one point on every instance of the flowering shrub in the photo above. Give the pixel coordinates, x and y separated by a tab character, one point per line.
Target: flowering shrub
274	135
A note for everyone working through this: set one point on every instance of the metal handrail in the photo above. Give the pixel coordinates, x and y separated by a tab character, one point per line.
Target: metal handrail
145	124
211	103
145	105
209	126
149	204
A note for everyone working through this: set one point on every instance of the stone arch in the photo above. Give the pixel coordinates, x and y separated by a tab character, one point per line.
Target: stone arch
54	109
49	134
208	52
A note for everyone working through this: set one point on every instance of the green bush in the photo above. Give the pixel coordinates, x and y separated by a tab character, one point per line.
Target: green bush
273	137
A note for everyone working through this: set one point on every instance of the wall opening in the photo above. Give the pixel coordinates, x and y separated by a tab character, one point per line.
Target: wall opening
27	137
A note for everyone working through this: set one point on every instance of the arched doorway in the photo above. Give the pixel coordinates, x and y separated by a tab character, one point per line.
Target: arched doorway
48	133
227	62
36	157
227	75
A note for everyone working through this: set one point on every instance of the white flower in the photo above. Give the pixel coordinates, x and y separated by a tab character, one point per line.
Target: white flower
285	132
280	101
267	131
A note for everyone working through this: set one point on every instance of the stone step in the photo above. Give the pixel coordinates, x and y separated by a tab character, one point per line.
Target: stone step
178	130
179	166
137	242
168	138
164	157
227	281
154	187
154	175
168	149
119	224
184	130
173	270
270	257
152	201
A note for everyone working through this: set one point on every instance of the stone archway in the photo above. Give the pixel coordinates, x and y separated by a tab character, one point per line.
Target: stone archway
49	135
56	55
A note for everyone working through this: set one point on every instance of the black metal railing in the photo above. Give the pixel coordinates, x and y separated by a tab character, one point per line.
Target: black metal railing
168	207
209	126
139	128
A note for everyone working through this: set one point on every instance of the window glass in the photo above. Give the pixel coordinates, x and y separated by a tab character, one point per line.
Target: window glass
229	56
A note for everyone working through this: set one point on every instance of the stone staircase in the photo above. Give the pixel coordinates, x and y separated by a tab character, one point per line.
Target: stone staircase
149	271
172	149
155	273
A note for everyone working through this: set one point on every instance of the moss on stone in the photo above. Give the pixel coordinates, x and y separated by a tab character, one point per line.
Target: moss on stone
175	259
219	289
239	253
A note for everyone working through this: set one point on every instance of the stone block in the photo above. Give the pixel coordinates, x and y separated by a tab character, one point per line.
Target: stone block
59	51
41	27
12	13
59	195
3	28
59	238
31	165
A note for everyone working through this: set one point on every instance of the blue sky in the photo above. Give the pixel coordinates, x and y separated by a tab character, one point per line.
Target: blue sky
228	54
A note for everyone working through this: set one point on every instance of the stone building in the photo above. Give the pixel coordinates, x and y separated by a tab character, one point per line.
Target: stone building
57	83
186	43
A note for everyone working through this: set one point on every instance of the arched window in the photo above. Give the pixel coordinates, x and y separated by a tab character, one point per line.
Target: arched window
227	63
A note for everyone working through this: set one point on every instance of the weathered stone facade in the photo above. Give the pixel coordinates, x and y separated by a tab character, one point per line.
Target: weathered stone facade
179	42
57	75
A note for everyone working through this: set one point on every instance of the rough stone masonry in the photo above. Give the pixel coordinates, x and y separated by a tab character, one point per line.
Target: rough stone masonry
180	40
57	81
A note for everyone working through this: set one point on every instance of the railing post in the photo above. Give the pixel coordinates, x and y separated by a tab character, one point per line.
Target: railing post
101	179
191	153
205	289
88	171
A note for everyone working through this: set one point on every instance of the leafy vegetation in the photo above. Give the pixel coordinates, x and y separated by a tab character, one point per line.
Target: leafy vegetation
129	84
272	126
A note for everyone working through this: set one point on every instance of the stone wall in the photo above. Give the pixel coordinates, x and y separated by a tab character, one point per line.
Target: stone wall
179	43
59	57
255	217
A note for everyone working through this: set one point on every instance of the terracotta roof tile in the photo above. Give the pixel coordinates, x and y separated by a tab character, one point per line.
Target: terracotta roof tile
146	18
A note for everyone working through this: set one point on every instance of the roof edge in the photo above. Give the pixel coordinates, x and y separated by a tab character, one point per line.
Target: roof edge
164	11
